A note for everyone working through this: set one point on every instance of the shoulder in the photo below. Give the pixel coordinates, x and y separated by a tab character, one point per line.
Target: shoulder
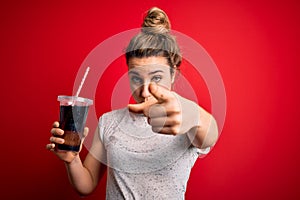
110	120
114	115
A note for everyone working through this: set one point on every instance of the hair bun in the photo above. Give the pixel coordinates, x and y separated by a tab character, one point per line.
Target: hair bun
156	22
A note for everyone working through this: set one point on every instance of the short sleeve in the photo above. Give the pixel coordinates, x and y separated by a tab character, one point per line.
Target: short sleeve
203	151
101	128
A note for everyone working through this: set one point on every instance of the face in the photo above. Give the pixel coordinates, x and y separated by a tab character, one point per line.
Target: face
142	71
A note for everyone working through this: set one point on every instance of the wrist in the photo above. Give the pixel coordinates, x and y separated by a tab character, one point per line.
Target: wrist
75	161
190	114
194	110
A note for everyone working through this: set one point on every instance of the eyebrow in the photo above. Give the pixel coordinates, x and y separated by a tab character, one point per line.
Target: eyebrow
150	73
154	72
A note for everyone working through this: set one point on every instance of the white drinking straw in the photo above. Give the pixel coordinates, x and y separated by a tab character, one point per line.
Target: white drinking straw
82	81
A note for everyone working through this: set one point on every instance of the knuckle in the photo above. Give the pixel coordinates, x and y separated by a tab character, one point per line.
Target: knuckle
173	108
57	131
56	140
52	131
176	108
175	130
50	146
177	119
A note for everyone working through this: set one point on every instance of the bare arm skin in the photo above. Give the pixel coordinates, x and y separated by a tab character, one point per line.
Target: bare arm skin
83	176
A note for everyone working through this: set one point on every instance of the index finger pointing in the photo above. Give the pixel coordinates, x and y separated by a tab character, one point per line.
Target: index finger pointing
160	93
142	107
137	108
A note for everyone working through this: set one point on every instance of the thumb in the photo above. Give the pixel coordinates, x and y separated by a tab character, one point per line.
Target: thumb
85	133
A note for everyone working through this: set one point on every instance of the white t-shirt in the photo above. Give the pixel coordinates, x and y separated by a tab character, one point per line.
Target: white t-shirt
143	164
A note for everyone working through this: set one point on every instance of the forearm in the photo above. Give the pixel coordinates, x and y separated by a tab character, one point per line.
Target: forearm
206	133
80	177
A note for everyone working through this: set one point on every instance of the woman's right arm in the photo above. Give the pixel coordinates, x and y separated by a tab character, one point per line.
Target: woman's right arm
83	176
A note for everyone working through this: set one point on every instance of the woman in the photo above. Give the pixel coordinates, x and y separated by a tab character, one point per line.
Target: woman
150	147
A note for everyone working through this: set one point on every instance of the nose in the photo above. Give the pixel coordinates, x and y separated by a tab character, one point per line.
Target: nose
145	91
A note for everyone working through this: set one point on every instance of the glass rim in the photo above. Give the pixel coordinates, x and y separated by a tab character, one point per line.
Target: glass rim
75	98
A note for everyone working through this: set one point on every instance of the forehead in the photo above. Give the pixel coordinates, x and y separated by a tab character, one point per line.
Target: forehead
148	64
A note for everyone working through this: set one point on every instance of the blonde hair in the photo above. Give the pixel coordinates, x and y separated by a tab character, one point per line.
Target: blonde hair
155	39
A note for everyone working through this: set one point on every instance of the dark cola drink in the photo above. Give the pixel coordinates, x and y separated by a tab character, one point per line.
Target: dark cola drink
72	119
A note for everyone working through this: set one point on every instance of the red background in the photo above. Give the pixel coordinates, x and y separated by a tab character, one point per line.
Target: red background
254	44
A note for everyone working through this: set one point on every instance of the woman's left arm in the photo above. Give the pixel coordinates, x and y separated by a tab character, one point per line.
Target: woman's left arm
200	126
169	113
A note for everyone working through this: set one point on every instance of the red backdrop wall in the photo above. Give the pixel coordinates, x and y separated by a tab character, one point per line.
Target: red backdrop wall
255	45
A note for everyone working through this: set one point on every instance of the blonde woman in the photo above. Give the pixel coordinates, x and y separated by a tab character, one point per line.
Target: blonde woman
147	148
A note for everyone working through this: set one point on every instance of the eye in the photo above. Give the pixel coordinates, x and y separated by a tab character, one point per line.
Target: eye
136	80
156	79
